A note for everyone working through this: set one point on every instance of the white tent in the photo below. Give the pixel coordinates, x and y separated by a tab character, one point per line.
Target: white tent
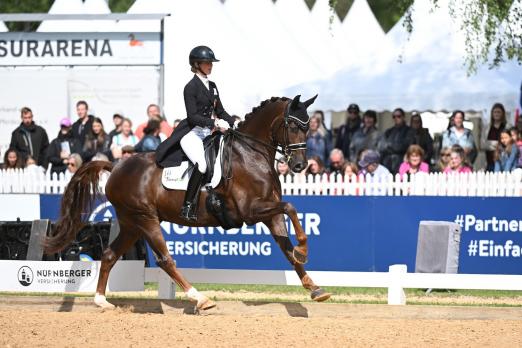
144	7
296	18
279	61
205	23
78	7
431	76
327	24
363	33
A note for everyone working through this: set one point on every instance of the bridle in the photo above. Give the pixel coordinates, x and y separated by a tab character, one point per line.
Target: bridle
286	149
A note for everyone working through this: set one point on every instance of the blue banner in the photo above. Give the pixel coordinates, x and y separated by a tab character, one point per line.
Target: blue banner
351	234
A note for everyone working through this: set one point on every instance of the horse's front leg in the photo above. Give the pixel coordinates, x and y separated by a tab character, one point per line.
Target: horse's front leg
262	211
278	229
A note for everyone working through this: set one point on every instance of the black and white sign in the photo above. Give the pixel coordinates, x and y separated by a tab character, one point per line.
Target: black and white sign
18	49
68	276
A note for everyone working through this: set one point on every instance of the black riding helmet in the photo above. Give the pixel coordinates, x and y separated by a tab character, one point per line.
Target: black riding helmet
201	54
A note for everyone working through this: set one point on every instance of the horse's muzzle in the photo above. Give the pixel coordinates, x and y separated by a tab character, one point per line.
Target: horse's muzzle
298	167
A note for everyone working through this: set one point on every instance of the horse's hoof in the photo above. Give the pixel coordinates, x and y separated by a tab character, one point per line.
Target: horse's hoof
319	295
101	301
299	257
205	304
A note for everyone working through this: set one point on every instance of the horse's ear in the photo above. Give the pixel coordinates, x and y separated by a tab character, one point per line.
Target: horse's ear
295	102
310	101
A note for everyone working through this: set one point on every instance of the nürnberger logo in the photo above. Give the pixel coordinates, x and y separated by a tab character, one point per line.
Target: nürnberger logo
25	276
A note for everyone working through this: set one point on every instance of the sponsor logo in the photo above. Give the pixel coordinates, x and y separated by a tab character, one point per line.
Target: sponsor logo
25	276
103	212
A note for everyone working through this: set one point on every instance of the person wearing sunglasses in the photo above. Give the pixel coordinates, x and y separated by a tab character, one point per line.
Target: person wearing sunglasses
395	141
74	162
444	159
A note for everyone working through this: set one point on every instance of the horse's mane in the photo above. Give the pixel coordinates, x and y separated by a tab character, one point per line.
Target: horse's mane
263	104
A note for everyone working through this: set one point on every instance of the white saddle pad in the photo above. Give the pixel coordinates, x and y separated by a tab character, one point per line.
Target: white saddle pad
173	179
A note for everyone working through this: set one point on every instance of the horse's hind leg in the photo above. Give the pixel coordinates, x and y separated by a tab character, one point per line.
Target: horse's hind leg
152	231
123	242
278	228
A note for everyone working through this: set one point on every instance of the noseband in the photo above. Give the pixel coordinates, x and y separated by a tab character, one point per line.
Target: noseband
288	148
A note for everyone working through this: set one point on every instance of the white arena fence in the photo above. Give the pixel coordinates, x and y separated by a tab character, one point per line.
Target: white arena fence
481	184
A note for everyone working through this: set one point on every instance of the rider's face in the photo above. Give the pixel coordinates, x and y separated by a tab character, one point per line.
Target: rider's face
205	67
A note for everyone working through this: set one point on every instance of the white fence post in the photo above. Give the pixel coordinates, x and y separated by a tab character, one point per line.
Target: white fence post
396	295
477	184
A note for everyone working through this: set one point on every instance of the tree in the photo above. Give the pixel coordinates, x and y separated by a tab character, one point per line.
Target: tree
43	6
492	28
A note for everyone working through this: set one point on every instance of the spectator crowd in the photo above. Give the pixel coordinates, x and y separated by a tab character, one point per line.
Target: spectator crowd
82	141
407	149
356	147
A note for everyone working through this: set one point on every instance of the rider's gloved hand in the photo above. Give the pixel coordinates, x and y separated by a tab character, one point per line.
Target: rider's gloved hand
222	125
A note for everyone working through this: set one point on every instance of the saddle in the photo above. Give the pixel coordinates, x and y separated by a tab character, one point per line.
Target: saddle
215	202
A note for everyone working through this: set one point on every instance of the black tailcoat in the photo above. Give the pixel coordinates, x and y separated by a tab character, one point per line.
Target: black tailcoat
200	103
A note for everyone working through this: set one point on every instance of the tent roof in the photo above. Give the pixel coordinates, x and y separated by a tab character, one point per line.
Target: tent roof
98	7
360	19
430	77
143	7
295	17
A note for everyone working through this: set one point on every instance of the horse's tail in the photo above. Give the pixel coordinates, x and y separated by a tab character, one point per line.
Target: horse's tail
77	200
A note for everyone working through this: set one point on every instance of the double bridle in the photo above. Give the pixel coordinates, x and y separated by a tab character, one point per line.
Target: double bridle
286	149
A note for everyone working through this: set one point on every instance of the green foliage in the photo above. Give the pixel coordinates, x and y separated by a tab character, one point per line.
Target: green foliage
43	6
24	6
120	5
490	37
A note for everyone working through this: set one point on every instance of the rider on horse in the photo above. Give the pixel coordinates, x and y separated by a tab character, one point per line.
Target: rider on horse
204	113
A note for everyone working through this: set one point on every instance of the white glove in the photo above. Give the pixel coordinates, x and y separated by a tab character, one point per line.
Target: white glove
236	124
222	124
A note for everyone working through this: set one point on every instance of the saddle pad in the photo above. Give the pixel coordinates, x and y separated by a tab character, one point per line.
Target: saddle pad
173	179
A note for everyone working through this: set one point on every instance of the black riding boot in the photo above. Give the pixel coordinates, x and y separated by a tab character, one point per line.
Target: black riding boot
190	206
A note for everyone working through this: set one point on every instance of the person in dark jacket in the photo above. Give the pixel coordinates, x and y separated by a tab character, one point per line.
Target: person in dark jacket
62	147
96	142
117	119
346	131
395	142
28	139
83	126
204	113
365	138
422	136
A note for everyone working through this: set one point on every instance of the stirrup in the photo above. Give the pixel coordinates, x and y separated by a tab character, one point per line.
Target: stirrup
189	212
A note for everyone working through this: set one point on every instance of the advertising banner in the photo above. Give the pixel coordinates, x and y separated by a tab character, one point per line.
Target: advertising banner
68	276
66	48
351	234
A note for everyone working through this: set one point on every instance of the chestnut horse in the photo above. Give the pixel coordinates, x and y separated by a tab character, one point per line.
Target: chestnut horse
250	188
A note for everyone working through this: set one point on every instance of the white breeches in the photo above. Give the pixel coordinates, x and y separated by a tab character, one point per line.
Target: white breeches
192	145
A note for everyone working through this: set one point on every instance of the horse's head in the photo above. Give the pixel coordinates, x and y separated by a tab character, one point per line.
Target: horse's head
292	135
